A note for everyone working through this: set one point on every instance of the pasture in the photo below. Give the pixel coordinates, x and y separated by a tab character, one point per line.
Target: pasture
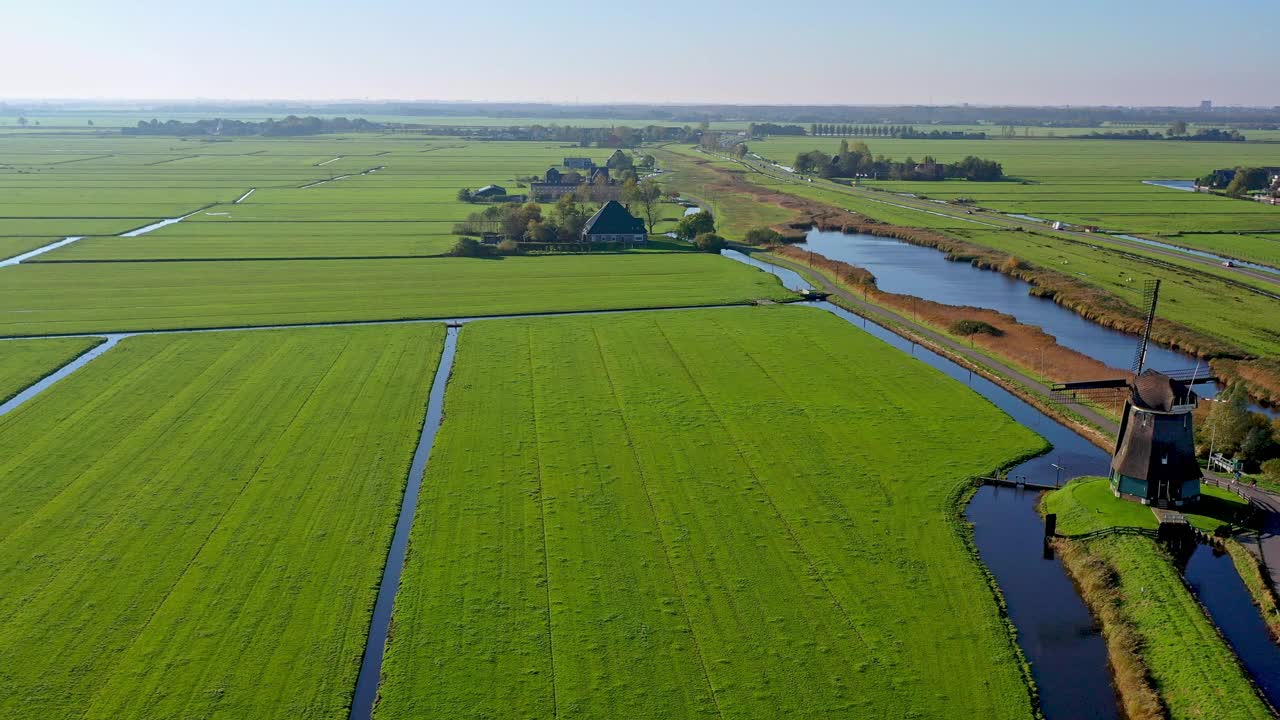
23	362
620	519
195	525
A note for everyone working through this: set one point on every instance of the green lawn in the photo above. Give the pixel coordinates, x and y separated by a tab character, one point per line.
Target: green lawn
1087	504
687	513
72	298
196	525
23	362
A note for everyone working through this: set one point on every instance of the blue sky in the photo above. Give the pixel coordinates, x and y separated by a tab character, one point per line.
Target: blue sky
1136	52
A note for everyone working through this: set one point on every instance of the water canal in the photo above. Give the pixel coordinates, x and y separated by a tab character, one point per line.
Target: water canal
908	269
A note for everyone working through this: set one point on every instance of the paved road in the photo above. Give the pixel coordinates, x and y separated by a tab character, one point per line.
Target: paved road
1267	546
1000	220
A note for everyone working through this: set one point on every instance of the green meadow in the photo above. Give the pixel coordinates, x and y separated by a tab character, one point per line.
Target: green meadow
1093	182
53	298
23	362
618	521
195	525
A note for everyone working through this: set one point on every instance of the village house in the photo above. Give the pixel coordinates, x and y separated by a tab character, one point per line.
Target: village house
578	163
613	223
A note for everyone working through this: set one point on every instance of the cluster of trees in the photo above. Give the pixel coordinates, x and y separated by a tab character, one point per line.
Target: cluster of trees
1228	427
763	129
1212	135
526	222
1247	180
856	161
908	132
1176	131
700	229
619	136
1239	182
290	126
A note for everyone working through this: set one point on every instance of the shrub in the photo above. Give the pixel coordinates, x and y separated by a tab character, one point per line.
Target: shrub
762	236
709	242
691	226
508	247
975	327
468	247
1271	470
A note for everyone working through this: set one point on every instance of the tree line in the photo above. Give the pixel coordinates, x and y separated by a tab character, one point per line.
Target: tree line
289	126
906	132
857	161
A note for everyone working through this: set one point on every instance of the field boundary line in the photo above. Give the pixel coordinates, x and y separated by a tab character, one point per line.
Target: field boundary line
791	533
657	523
542	520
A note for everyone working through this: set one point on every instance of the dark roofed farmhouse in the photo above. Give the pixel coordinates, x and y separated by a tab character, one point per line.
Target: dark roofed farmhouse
612	223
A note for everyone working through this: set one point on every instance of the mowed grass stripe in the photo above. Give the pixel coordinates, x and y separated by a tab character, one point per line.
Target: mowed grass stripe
24	362
196	525
697	557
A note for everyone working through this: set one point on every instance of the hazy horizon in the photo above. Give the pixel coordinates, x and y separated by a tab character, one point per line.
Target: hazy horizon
1173	53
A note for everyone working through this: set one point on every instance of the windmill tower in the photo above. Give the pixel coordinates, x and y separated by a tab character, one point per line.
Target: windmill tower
1154	461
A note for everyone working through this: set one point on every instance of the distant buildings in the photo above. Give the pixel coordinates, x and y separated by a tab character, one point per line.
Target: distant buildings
598	186
1206	106
612	223
578	163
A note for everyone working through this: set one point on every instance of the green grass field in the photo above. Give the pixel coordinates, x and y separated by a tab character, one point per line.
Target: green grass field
619	520
1094	182
23	362
49	298
196	525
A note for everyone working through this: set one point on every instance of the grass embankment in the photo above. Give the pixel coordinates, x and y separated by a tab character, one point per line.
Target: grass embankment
1253	574
1163	648
73	298
25	362
1027	346
618	521
196	525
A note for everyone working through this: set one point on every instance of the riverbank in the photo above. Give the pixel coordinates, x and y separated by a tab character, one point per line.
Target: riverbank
734	189
1162	637
1086	422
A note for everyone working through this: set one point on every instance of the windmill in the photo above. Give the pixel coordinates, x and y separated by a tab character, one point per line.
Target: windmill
1154	461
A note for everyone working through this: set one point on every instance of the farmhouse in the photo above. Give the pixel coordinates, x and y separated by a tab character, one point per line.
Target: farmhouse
612	223
489	191
578	163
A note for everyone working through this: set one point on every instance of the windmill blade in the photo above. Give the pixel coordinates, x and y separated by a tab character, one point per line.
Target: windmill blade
1150	295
